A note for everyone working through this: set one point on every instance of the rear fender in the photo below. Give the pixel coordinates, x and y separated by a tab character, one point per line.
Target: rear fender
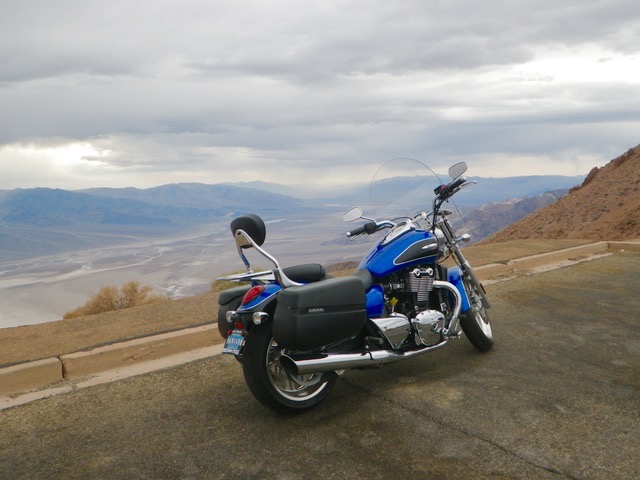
232	295
230	300
264	299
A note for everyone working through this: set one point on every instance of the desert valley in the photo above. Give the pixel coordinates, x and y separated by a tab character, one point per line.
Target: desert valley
59	247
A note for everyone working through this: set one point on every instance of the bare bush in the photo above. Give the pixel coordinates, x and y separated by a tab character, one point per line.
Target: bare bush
111	298
220	285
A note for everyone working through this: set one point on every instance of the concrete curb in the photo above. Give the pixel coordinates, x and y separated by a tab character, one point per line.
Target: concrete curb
493	270
33	375
124	354
630	246
534	262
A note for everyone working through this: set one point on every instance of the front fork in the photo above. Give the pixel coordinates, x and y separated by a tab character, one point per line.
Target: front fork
467	271
470	275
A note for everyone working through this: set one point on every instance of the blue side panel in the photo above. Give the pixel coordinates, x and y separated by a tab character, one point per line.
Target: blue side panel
375	301
454	276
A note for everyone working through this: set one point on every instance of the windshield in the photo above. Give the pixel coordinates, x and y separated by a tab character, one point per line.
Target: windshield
401	187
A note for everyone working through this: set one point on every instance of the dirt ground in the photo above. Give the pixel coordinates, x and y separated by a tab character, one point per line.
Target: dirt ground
33	342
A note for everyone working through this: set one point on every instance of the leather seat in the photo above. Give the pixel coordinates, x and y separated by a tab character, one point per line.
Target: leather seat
306	273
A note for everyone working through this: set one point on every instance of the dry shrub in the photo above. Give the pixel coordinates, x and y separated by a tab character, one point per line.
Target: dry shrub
110	298
220	285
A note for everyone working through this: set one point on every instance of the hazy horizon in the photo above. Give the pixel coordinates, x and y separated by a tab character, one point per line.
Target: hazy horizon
295	185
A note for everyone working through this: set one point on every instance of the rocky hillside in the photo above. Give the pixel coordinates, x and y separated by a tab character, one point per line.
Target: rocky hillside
606	206
490	218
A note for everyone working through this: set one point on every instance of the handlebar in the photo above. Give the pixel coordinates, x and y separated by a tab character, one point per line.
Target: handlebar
445	191
456	183
367	228
371	227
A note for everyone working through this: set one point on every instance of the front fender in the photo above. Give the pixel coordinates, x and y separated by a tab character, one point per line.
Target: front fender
454	276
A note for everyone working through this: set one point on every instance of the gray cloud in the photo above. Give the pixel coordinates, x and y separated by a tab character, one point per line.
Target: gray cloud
211	90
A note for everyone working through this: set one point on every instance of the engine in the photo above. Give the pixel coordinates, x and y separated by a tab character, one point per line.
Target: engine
414	315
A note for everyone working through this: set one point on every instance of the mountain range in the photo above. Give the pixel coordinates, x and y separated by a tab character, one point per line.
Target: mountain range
42	221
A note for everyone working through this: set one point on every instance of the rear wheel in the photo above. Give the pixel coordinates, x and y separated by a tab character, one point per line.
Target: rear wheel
475	322
271	384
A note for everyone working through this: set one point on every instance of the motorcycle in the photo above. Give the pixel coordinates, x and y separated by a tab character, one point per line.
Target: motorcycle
295	330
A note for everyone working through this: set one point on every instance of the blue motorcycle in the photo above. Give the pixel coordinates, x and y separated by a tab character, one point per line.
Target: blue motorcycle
296	329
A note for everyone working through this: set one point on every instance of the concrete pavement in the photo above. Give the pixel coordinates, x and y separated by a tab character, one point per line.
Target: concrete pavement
557	397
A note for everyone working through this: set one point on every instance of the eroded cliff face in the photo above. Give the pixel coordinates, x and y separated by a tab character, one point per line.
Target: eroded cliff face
606	206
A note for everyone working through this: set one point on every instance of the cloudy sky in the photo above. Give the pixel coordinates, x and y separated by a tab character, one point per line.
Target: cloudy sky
142	93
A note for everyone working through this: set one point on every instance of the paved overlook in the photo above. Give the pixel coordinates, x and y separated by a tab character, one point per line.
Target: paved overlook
557	398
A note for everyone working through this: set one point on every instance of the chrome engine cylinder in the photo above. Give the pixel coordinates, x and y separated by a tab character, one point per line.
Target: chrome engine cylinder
429	325
421	284
395	328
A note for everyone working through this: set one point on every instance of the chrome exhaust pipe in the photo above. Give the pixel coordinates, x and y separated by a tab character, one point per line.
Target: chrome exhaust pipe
305	364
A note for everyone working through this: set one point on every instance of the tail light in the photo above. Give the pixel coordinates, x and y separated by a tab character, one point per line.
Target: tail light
252	294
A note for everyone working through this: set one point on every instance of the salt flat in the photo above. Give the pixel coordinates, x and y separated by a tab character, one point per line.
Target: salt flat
42	289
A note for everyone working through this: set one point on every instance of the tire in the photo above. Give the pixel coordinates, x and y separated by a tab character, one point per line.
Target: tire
271	384
475	322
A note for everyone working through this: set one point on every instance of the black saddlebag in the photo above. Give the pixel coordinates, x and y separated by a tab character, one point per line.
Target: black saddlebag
318	314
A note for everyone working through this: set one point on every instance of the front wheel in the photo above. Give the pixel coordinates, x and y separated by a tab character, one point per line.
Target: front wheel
271	384
475	322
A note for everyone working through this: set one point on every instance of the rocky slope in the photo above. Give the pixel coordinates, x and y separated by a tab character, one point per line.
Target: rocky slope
606	206
490	218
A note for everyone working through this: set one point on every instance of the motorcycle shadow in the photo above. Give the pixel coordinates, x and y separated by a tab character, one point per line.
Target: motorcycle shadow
436	376
438	366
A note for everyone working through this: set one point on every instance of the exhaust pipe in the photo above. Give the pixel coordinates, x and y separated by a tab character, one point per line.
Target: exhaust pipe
304	364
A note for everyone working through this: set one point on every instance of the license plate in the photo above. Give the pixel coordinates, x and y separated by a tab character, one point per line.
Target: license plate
234	343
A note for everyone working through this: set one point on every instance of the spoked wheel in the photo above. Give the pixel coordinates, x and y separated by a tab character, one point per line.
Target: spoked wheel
475	323
271	384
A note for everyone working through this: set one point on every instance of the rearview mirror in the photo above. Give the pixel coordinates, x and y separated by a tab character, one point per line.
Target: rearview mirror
354	214
458	169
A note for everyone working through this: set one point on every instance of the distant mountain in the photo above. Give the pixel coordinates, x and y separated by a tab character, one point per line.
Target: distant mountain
48	207
217	197
486	190
41	221
487	219
606	206
489	190
168	204
278	188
